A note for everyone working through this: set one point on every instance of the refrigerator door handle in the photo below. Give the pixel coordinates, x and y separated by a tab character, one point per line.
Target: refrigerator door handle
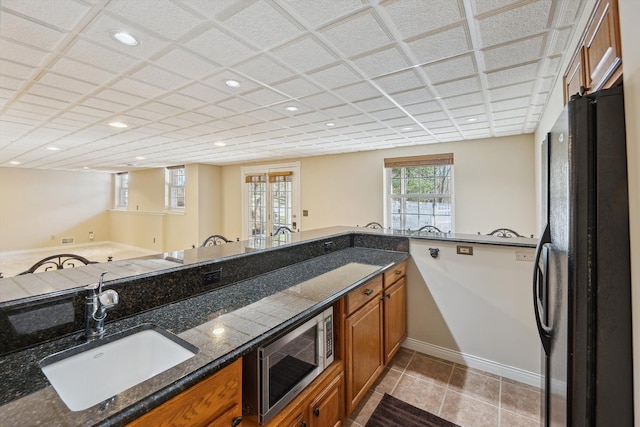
540	279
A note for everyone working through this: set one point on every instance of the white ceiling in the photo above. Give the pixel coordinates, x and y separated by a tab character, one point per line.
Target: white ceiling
385	73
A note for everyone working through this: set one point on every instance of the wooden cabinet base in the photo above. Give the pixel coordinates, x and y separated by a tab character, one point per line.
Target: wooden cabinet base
214	402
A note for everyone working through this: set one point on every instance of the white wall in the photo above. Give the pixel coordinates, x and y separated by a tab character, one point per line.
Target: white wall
39	207
630	30
474	309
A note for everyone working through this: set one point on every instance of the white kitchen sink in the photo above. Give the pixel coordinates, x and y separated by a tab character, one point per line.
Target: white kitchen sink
91	373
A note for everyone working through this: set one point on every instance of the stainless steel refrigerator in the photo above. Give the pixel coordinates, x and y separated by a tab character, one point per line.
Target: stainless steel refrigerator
581	283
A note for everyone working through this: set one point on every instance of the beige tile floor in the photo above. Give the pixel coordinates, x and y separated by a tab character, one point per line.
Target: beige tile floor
465	396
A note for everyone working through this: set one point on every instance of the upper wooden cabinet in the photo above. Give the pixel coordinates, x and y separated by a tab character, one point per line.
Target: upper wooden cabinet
597	63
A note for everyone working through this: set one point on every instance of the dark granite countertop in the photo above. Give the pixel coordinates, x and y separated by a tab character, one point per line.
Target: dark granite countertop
224	324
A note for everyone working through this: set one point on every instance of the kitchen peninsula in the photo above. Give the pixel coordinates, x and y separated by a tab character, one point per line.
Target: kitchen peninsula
294	279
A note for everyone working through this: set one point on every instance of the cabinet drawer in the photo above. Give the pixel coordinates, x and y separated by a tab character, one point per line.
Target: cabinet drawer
359	297
394	273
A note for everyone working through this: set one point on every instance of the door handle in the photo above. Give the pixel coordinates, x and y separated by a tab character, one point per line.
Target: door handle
316	412
539	276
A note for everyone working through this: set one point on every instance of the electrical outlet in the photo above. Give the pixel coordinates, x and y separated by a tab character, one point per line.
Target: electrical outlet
524	256
328	246
212	277
91	235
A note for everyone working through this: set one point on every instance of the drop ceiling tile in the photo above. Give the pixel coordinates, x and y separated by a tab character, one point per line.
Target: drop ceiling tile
23	54
100	57
120	97
357	34
262	24
264	97
159	77
336	76
162	108
238	105
42	100
10	83
357	92
319	12
474	110
378	63
219	47
512	75
412	96
89	111
463	100
514	23
297	87
54	93
391	113
482	6
264	69
81	71
413	17
458	87
67	83
451	69
517	121
182	101
142	114
422	107
215	111
203	92
522	112
511	91
104	105
64	14
40	36
38	109
186	64
304	54
523	51
322	100
399	81
13	69
163	17
435	47
374	104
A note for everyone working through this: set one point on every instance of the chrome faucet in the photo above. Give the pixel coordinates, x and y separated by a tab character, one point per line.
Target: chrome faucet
97	303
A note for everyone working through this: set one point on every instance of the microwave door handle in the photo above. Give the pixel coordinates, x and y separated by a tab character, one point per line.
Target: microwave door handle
540	288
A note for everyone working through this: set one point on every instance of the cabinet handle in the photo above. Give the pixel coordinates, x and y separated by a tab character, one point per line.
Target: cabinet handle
316	412
398	272
303	424
368	292
236	421
389	296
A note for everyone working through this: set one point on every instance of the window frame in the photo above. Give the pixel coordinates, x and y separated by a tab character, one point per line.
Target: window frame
118	187
170	186
410	162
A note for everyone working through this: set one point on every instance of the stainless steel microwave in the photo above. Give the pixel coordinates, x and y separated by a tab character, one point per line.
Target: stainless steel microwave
277	372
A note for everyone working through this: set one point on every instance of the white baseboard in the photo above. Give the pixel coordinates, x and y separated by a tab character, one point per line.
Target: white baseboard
476	362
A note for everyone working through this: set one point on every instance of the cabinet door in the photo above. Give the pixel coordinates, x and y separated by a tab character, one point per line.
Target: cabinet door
326	408
395	318
230	418
575	76
364	351
602	45
203	404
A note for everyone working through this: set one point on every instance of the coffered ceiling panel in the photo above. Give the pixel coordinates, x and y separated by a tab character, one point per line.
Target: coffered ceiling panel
272	79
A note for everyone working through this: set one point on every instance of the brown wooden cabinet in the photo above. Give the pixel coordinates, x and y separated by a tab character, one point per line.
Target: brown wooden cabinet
597	62
395	318
364	349
326	409
214	402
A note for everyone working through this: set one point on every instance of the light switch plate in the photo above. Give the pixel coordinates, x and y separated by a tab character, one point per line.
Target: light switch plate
464	250
524	256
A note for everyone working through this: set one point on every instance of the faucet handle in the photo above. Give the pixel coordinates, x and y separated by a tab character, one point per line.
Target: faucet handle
108	298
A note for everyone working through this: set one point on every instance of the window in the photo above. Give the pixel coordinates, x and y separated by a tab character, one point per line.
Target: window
270	199
122	190
176	187
419	192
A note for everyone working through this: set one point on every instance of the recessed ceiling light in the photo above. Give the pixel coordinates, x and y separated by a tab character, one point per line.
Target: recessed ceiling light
53	148
14	162
85	167
407	128
232	83
330	124
472	119
125	38
118	125
219	144
140	158
291	108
